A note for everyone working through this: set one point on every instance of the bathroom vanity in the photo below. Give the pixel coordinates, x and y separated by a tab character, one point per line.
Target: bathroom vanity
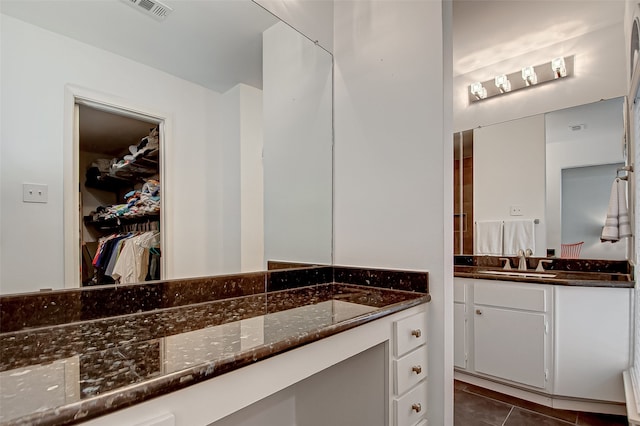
195	351
558	338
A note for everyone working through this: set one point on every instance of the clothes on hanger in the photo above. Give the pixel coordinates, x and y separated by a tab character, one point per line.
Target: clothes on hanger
127	257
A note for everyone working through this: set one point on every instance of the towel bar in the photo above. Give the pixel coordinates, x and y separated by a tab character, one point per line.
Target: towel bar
628	168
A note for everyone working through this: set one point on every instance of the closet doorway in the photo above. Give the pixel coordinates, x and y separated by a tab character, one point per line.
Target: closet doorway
115	195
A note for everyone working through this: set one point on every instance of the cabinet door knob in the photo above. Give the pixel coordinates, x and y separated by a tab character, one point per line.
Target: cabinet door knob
416	333
416	407
478	312
416	369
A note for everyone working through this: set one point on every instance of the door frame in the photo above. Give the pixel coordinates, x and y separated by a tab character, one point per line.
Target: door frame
75	95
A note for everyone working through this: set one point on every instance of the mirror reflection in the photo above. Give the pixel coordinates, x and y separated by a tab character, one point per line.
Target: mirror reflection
555	169
207	131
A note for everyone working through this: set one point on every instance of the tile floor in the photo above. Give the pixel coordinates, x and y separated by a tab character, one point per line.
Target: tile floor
475	406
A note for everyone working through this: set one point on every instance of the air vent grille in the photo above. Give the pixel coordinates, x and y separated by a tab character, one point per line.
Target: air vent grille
152	8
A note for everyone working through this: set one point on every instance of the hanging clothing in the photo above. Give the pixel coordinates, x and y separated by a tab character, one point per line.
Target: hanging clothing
126	257
133	262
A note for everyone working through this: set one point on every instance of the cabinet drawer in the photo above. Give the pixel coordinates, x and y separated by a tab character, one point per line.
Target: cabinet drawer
410	369
410	333
412	407
532	297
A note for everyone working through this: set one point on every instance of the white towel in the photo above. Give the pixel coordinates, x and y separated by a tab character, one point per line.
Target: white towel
617	225
519	235
488	238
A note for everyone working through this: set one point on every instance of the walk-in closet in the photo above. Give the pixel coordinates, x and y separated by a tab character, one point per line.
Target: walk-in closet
120	190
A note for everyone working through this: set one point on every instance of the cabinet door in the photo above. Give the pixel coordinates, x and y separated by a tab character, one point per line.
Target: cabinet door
459	335
510	345
591	342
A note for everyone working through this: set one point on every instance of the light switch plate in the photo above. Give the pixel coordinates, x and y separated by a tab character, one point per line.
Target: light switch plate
35	193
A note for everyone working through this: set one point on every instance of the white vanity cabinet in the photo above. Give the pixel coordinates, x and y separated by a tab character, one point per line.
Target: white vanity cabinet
564	346
592	335
511	333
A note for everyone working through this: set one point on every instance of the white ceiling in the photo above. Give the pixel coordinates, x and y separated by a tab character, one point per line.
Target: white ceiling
214	43
489	31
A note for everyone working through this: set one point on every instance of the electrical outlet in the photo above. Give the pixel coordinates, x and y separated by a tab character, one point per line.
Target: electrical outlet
516	211
35	193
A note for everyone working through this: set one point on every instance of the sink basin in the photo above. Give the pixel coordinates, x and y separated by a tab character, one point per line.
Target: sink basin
520	274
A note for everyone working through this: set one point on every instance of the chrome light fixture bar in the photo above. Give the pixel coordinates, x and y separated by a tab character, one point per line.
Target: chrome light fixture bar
528	76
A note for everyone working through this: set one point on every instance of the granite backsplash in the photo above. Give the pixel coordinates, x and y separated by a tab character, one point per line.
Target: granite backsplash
557	264
32	310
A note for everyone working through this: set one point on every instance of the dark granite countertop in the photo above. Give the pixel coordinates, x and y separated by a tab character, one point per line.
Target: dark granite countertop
70	371
555	277
558	271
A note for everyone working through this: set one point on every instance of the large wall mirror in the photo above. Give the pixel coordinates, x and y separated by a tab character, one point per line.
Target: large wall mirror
556	169
226	110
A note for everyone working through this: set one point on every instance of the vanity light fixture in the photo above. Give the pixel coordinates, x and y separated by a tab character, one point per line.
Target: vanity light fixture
524	78
529	76
558	67
502	83
478	90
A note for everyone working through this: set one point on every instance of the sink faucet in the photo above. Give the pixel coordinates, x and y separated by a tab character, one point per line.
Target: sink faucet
522	262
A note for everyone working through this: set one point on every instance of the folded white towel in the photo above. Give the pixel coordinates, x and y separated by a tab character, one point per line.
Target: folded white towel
519	235
617	225
488	238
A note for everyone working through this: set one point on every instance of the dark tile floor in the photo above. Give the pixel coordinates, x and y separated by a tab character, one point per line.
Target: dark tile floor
475	406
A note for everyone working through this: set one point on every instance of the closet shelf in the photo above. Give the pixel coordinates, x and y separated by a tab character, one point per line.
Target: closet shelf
114	223
126	176
110	183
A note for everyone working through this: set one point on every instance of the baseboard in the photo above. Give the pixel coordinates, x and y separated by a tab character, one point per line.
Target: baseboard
632	411
553	401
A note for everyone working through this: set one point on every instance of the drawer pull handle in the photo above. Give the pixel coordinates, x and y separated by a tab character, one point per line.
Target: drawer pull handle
478	312
416	333
416	369
416	407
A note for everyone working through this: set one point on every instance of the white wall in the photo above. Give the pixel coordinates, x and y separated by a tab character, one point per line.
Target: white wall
594	79
297	148
231	134
600	142
36	66
242	180
393	156
251	181
508	170
312	18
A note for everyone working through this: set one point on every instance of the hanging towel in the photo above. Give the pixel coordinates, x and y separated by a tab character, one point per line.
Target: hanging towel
488	238
519	235
617	225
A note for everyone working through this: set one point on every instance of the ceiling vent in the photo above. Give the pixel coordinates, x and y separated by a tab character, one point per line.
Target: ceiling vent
152	8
